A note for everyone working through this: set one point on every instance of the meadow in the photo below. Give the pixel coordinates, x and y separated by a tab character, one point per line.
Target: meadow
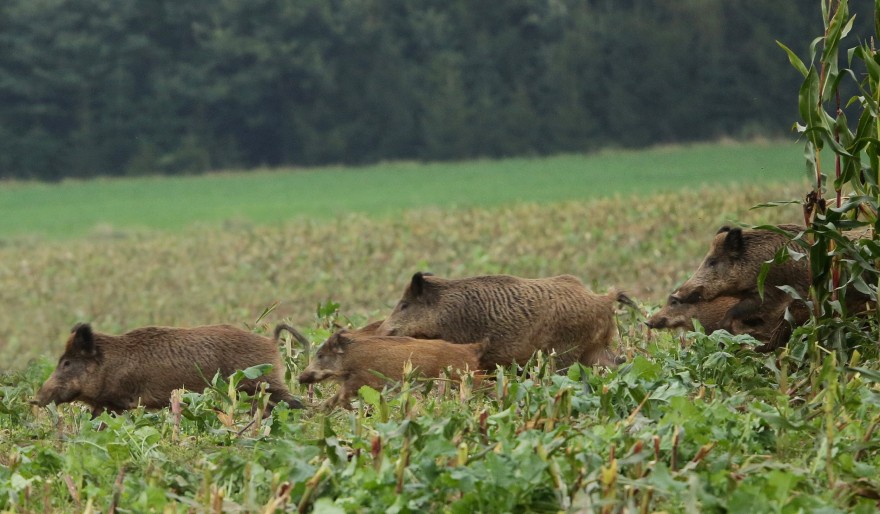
688	424
112	206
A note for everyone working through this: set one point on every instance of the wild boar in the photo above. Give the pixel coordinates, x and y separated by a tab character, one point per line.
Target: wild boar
734	262
679	315
353	358
143	366
516	316
718	314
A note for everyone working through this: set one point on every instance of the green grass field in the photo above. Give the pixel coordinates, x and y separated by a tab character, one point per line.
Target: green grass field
688	424
76	208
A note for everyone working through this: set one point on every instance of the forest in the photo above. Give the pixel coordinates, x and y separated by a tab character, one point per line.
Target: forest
89	87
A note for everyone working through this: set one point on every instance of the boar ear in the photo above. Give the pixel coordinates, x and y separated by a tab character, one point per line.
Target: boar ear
83	340
725	228
341	341
417	286
734	244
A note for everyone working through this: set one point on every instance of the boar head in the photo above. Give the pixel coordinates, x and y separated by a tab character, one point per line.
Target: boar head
329	360
674	314
415	313
735	260
76	367
724	269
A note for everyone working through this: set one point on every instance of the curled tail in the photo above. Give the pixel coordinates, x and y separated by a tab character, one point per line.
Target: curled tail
621	298
296	335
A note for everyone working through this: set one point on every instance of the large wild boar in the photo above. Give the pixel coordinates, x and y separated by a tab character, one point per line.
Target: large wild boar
143	366
734	262
351	358
516	316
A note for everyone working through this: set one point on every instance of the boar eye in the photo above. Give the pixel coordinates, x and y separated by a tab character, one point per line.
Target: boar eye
403	306
65	364
712	263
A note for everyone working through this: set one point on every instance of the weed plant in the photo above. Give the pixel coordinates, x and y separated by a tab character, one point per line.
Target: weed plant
231	274
710	427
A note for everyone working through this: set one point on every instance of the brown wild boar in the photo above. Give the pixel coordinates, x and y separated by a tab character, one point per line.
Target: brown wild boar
718	314
731	268
351	358
678	315
143	366
734	262
516	316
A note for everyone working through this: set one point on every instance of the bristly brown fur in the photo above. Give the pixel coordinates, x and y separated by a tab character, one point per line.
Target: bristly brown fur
354	359
517	316
143	366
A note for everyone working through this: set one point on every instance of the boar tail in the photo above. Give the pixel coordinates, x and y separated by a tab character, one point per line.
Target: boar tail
296	335
621	298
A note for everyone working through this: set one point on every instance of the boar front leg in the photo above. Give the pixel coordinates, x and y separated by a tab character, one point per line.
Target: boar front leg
341	398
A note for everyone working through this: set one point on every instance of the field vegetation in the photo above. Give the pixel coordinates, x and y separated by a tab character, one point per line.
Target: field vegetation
231	272
123	206
689	423
706	426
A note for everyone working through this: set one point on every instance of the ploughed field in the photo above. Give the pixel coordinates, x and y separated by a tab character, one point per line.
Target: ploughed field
711	426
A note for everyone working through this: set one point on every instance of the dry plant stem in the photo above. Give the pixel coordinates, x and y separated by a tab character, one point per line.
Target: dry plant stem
311	485
635	412
674	460
402	464
646	501
71	487
117	491
868	435
281	499
704	450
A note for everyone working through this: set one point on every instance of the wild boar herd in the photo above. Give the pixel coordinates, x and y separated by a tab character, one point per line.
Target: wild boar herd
466	325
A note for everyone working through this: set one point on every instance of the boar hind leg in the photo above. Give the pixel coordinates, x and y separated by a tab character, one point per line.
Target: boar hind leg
600	356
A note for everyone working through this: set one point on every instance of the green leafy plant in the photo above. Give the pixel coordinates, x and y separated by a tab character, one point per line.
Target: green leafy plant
841	238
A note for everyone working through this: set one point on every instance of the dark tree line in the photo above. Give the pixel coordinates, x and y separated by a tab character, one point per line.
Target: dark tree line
92	87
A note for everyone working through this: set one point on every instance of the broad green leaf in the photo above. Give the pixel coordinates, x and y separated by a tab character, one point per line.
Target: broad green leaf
794	59
370	395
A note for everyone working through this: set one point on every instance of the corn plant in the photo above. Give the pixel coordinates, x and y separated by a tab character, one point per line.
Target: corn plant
840	212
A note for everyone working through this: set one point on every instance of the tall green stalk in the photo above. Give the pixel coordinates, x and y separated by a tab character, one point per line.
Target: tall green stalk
841	238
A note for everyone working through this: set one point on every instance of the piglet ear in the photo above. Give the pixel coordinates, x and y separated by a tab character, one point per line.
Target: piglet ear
338	341
342	342
82	339
734	243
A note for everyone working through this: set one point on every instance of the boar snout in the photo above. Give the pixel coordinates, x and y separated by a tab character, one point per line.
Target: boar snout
53	392
315	375
657	321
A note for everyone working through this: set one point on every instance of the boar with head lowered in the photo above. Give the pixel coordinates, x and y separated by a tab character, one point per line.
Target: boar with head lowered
143	366
358	358
721	313
734	262
516	316
770	324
